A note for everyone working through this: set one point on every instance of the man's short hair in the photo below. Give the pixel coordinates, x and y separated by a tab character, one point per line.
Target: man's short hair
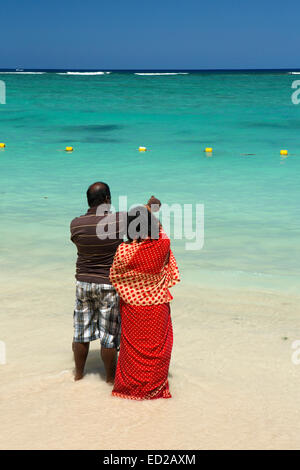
98	193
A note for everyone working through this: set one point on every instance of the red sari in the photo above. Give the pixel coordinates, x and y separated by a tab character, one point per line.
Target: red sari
142	274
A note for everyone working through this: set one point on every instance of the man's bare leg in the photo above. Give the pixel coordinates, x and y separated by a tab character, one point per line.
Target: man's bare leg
80	354
109	357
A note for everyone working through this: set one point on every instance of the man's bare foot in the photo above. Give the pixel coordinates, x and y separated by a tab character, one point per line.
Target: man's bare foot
77	376
109	357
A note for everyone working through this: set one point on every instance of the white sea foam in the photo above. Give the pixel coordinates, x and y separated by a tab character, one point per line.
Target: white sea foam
162	73
83	73
294	73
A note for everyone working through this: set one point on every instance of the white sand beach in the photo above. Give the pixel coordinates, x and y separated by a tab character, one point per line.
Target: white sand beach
233	382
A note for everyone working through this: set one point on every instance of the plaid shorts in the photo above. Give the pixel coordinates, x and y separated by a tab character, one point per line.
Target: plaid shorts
97	314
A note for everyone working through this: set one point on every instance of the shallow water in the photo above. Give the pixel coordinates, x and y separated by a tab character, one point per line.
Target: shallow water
250	193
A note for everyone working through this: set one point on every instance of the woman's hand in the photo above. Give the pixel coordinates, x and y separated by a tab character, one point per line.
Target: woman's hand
153	204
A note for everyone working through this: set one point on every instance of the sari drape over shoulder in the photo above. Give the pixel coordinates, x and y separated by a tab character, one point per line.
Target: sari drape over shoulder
143	272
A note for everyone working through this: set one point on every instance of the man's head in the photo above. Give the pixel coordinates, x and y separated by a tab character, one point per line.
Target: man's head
98	193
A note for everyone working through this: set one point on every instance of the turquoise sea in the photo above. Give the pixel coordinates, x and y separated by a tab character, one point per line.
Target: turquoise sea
251	194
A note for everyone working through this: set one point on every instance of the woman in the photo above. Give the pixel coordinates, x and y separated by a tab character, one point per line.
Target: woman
143	270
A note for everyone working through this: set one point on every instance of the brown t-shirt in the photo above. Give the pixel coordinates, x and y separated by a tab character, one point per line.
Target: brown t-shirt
97	239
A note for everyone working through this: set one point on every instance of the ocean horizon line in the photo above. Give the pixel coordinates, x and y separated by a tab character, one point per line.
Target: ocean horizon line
152	70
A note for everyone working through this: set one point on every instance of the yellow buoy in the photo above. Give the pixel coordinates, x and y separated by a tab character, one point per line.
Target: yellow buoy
2	145
208	150
69	149
142	149
283	152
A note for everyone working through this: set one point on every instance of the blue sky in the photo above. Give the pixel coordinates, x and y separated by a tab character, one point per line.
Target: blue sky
117	34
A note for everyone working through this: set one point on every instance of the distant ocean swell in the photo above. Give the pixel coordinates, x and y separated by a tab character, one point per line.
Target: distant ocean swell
83	73
71	73
138	73
161	73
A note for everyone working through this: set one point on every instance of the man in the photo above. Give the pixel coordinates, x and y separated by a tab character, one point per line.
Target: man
96	314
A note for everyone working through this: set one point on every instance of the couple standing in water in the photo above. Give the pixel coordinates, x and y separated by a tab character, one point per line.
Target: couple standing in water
122	295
